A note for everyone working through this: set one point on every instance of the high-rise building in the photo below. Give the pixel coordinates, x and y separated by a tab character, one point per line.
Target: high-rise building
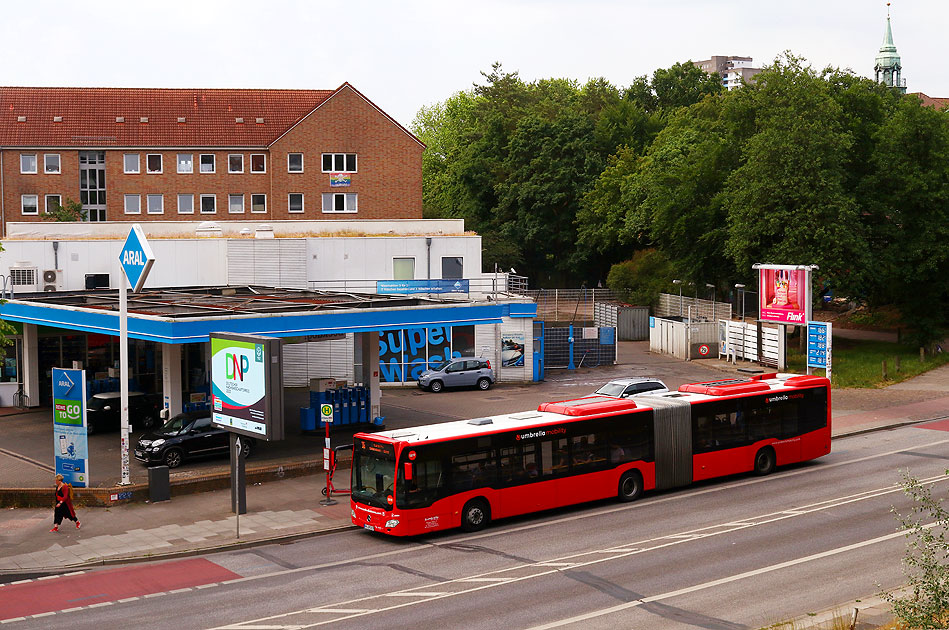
732	69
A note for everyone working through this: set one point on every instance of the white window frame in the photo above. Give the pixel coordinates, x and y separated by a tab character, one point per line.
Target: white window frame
235	155
302	203
201	162
346	196
46	200
35	164
190	198
201	209
264	195
161	163
333	159
252	156
138	204
189	162
161	203
231	198
36	205
289	170
125	163
59	164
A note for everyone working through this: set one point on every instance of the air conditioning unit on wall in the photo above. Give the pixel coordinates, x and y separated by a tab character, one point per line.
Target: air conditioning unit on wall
23	279
52	280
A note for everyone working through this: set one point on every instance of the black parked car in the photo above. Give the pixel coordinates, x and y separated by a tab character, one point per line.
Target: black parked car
104	411
187	435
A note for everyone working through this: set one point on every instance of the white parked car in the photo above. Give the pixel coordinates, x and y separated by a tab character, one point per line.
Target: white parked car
636	386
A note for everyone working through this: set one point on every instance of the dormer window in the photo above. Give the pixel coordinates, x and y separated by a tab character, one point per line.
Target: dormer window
143	119
120	119
181	119
57	119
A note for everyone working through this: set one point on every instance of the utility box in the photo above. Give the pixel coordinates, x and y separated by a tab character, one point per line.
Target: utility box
322	384
159	484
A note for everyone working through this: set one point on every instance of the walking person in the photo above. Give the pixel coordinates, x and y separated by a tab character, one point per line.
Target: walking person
64	507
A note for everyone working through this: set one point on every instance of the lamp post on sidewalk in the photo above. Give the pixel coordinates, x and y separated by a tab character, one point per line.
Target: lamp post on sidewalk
711	288
679	284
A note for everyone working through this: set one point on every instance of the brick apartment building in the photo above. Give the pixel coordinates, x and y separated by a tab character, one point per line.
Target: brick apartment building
130	154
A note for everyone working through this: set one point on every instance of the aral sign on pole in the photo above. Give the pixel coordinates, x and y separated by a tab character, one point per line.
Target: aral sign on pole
136	260
70	445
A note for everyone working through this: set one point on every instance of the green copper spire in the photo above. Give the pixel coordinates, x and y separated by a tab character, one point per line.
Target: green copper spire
888	67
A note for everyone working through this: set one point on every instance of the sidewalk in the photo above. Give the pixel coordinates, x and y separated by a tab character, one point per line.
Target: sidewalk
290	508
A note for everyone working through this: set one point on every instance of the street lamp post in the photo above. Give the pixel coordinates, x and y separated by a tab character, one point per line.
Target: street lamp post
711	288
679	283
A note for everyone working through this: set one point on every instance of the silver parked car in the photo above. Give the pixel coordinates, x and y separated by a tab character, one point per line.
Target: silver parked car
459	372
636	386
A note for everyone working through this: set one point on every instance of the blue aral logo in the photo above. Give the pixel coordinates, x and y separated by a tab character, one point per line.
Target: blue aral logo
136	258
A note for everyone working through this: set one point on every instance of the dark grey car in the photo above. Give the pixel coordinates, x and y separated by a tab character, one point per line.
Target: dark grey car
459	372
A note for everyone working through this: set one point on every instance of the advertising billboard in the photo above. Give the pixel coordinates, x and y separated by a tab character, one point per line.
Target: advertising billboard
784	294
247	385
70	445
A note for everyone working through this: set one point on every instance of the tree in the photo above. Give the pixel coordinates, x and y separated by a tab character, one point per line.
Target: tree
683	84
787	202
72	211
642	278
926	562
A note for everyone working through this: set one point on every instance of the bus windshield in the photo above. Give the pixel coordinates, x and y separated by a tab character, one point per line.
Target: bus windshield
373	474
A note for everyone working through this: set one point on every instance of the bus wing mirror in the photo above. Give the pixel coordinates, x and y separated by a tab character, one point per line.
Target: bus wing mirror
408	471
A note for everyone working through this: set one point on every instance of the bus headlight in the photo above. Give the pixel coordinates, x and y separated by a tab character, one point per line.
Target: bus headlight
392	522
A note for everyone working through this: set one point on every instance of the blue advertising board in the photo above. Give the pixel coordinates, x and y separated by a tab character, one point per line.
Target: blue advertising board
818	344
400	287
70	444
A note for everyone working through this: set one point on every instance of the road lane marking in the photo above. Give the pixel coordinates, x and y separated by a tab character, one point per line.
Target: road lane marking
573	561
721	581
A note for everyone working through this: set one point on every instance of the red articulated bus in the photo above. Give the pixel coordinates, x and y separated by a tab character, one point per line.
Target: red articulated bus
464	474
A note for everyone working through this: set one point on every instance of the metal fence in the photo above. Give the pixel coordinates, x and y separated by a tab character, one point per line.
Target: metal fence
674	305
592	346
631	322
567	305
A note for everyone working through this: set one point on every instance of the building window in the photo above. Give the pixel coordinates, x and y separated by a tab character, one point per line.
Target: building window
131	163
51	163
235	163
258	203
156	204
403	269
235	204
339	202
258	163
133	204
185	162
294	162
153	163
208	204
53	202
28	163
452	267
295	202
29	204
207	163
339	162
185	204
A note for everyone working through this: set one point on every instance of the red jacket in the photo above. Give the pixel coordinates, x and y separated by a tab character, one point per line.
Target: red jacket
64	496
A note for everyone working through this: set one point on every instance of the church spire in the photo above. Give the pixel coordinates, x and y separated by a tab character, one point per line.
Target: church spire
888	67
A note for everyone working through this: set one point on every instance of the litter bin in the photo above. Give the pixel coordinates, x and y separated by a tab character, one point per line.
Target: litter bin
159	485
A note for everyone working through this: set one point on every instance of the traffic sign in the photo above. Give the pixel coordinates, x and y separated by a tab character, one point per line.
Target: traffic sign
136	258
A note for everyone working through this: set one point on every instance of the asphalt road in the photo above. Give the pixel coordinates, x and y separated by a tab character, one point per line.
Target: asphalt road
735	553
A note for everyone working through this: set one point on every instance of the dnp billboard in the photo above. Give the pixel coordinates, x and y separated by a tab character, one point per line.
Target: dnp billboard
247	385
784	294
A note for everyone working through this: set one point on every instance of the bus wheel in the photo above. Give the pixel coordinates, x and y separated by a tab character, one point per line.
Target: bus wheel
630	486
764	461
475	515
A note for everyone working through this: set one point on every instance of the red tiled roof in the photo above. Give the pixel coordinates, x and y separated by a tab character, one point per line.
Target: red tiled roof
933	101
89	116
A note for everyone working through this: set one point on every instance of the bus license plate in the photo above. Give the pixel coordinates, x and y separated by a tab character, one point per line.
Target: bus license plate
369	527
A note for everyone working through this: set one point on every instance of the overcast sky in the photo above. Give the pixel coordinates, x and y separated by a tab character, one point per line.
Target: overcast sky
411	53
